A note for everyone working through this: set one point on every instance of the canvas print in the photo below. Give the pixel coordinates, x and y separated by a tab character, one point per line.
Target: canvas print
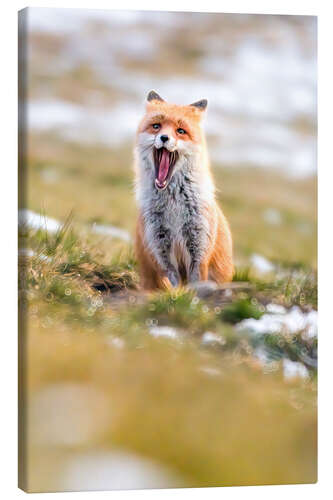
167	249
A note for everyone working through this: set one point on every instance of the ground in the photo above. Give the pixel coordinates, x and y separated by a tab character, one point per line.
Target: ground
178	377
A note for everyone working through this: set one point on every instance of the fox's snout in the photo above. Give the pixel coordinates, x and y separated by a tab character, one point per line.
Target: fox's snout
166	140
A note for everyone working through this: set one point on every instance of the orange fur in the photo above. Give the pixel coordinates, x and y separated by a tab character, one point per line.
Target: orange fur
220	264
151	275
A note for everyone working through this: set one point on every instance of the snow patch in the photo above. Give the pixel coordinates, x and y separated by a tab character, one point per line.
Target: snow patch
116	342
261	264
275	309
294	369
272	216
213	372
291	369
164	331
38	221
115	470
212	338
114	232
292	321
49	175
80	123
26	252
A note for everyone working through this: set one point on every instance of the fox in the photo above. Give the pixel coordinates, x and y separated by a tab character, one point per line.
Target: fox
182	236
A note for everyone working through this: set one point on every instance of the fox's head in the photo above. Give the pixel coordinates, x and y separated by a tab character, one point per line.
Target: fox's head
168	136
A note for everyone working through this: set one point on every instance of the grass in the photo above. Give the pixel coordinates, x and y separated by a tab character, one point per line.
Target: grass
206	411
164	406
241	309
65	276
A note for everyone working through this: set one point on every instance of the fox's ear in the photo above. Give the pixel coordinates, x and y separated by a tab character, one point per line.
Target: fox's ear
201	105
153	96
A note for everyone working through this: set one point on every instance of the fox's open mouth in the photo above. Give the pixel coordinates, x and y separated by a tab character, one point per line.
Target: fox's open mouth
164	163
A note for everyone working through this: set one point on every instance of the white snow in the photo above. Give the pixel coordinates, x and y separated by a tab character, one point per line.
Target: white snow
164	331
212	338
26	252
275	309
294	369
115	470
116	342
291	369
38	221
292	321
44	257
78	123
272	216
261	354
49	175
114	232
261	264
213	372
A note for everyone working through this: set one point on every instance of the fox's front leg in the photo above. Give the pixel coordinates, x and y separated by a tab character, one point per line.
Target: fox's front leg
162	247
195	244
194	272
173	275
198	271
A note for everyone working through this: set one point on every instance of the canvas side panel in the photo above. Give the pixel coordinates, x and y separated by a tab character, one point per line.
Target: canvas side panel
22	186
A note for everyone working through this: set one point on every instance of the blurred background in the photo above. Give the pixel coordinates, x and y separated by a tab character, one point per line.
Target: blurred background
91	70
88	74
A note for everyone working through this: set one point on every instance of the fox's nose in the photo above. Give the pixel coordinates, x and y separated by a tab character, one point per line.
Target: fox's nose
164	138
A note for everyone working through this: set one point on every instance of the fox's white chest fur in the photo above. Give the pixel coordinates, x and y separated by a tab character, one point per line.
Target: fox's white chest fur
176	224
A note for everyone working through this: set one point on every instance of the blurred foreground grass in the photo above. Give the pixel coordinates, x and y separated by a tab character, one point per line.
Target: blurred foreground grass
159	399
98	376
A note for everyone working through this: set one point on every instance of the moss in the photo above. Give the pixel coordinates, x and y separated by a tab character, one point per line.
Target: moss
239	310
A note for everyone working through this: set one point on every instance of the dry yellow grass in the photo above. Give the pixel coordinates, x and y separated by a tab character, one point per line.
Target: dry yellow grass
233	427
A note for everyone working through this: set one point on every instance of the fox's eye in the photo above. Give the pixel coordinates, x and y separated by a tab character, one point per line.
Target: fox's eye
181	131
156	126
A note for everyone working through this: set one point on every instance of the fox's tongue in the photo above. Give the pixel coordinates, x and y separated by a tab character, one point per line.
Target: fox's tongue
164	166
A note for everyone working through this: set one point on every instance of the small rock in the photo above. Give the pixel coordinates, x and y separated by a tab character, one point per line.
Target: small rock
204	289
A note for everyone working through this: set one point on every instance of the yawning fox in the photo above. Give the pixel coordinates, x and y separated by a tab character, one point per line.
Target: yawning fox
182	235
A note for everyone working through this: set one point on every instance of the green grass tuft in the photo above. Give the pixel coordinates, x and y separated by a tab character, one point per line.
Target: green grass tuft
239	310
